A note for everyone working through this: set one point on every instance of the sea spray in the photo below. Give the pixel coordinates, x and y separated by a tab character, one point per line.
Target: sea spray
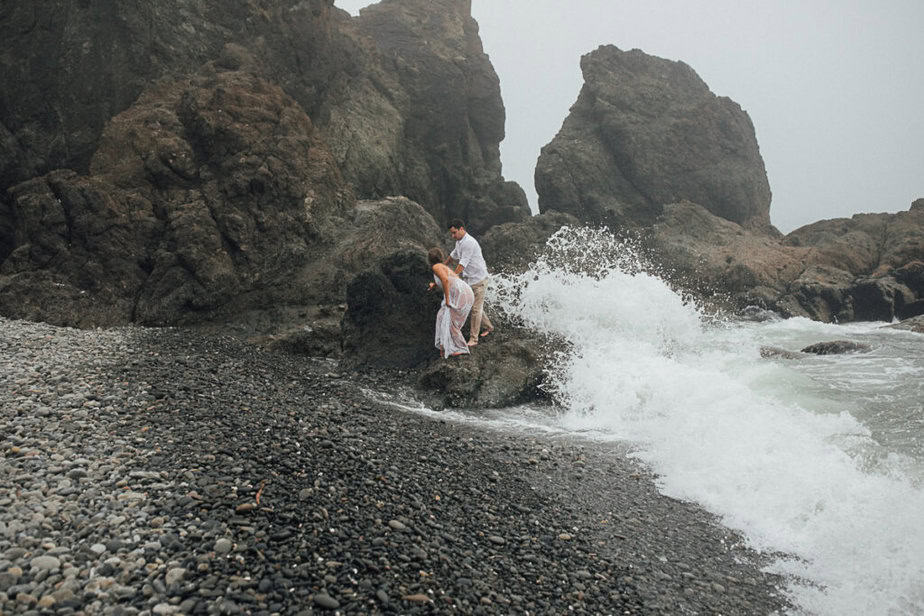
754	441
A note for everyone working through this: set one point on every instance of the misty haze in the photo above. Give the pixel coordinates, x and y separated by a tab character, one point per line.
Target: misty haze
461	306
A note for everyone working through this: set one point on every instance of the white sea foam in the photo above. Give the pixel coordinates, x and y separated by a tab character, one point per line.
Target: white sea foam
790	454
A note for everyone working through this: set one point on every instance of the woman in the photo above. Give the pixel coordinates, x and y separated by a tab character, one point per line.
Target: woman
457	303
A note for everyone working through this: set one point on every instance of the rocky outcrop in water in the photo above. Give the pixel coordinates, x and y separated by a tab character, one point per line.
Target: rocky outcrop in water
389	325
504	369
646	132
831	347
862	268
873	264
648	149
836	347
914	324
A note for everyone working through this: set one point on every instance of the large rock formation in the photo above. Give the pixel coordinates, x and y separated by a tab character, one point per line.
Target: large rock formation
647	148
430	128
282	167
867	267
389	324
68	67
406	98
512	247
875	261
646	132
183	162
204	191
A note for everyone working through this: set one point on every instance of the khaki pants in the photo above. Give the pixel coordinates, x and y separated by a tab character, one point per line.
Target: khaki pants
478	317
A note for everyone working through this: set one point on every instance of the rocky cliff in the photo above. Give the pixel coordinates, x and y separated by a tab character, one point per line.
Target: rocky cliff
186	161
648	149
868	267
646	132
431	130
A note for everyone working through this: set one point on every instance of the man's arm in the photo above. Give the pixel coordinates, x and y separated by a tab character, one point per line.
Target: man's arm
449	260
462	259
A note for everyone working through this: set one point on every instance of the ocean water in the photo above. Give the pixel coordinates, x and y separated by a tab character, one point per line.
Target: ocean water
821	458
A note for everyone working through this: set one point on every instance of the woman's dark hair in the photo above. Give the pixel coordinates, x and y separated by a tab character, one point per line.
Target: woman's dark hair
436	256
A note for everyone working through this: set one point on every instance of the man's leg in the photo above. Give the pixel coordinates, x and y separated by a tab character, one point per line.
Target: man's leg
486	325
477	312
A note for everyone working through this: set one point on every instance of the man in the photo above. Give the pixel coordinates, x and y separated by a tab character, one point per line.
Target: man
473	270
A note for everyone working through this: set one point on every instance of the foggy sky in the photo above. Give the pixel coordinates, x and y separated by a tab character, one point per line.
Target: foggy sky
835	89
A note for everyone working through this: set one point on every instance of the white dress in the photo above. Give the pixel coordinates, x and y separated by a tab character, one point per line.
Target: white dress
451	318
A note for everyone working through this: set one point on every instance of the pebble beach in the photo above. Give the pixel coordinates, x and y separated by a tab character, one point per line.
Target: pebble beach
164	471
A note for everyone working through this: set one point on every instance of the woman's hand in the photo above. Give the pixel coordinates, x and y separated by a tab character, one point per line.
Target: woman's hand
430	286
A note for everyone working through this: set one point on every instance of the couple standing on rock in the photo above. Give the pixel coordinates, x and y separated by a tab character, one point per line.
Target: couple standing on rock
460	295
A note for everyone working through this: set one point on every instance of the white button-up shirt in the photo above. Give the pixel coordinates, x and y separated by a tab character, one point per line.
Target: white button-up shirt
468	253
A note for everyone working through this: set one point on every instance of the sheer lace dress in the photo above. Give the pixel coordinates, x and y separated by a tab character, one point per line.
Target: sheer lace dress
451	318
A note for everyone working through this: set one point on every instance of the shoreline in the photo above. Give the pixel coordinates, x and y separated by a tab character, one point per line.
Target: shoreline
167	472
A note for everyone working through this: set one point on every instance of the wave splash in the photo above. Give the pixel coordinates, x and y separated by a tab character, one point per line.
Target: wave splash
745	438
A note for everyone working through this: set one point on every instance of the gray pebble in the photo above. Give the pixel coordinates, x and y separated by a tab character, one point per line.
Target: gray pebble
175	576
396	525
326	601
45	562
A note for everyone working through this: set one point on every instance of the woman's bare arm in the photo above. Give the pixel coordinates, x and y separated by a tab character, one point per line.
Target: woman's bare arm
442	272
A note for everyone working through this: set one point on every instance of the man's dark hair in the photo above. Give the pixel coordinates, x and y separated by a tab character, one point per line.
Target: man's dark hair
456	223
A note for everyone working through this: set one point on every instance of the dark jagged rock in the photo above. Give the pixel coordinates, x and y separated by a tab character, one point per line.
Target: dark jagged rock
645	132
771	352
405	95
911	309
914	324
820	293
224	146
836	347
912	276
843	270
205	191
502	370
432	130
68	68
511	247
390	314
84	250
879	299
368	234
870	262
